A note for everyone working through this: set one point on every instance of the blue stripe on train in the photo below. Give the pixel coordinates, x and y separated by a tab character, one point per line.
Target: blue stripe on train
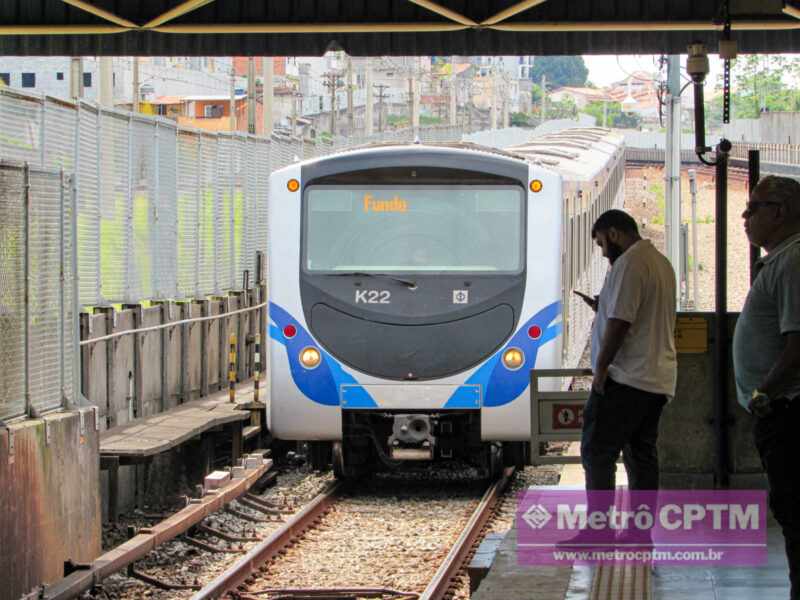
500	385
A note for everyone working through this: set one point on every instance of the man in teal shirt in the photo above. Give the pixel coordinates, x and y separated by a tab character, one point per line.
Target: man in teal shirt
766	352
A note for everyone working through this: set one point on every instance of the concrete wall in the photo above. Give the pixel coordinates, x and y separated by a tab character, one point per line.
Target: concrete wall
50	505
686	434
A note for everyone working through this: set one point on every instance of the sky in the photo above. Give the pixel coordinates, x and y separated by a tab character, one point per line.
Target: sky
604	70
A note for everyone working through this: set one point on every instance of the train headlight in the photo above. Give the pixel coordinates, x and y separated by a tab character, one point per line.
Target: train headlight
536	186
513	358
293	185
310	357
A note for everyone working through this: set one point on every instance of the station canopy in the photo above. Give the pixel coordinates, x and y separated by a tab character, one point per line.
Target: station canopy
390	27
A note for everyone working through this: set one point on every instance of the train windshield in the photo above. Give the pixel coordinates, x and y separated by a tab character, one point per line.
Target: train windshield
400	228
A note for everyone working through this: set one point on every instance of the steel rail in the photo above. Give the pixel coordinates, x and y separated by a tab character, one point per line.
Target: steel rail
111	336
271	546
149	538
438	587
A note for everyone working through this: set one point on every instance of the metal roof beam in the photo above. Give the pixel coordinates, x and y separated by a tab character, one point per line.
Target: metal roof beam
61	29
792	11
240	28
99	12
587	26
445	12
511	11
180	10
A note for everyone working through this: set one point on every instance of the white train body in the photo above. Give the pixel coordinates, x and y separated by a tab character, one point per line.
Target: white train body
412	289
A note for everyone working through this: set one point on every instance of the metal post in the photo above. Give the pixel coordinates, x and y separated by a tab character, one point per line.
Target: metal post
753	175
251	95
368	107
198	212
695	258
26	229
61	257
99	192
129	209
158	231
672	159
232	369
76	304
266	94
721	317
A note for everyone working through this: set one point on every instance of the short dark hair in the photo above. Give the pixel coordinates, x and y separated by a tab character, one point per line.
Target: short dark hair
618	219
781	189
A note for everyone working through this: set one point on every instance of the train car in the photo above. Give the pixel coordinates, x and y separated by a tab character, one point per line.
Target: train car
412	288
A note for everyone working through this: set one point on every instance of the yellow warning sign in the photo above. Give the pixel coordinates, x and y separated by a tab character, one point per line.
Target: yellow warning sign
691	335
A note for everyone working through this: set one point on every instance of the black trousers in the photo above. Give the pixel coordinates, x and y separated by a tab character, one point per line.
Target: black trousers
622	419
777	442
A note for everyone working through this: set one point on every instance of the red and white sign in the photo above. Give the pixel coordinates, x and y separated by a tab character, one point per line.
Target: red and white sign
567	416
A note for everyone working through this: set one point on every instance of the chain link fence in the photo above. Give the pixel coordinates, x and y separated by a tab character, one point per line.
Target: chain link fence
38	321
163	212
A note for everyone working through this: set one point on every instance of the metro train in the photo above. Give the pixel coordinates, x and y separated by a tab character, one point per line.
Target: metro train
412	288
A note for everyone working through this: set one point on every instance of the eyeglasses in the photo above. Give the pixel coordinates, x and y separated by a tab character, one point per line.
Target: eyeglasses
753	205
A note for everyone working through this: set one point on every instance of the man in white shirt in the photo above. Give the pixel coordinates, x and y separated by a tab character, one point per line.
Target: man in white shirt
633	357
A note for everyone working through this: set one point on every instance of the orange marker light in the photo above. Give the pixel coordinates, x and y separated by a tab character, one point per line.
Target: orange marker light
536	186
293	185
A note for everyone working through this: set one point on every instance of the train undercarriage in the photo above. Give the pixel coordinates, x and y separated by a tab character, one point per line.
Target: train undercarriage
380	441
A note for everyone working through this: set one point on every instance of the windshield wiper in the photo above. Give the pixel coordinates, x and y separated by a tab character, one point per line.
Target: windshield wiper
406	282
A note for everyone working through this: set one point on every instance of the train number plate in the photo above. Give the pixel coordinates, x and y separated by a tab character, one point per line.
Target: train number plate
373	297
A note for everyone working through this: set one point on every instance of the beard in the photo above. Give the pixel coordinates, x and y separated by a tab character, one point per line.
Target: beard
614	252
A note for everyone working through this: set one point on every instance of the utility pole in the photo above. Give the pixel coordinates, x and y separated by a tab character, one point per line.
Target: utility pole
251	95
672	170
544	98
381	97
504	98
106	81
135	104
233	98
453	100
76	77
369	105
350	116
493	108
294	113
266	94
332	83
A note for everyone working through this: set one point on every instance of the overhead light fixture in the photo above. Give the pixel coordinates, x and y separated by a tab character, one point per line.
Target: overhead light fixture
792	11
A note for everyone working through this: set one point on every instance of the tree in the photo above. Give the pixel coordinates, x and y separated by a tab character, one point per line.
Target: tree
518	119
560	70
758	85
616	118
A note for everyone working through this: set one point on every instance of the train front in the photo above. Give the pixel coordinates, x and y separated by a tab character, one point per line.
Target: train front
404	318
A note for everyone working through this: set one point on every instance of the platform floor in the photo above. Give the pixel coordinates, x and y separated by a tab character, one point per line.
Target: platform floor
507	580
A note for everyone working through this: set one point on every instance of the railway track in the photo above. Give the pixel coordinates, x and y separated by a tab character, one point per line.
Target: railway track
735	174
178	567
394	536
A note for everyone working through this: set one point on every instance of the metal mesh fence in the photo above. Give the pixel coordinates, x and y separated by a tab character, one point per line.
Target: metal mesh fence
12	292
166	211
115	213
187	214
45	292
87	185
37	312
162	211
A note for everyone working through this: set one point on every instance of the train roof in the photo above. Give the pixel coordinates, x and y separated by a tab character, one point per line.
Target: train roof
464	146
576	154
